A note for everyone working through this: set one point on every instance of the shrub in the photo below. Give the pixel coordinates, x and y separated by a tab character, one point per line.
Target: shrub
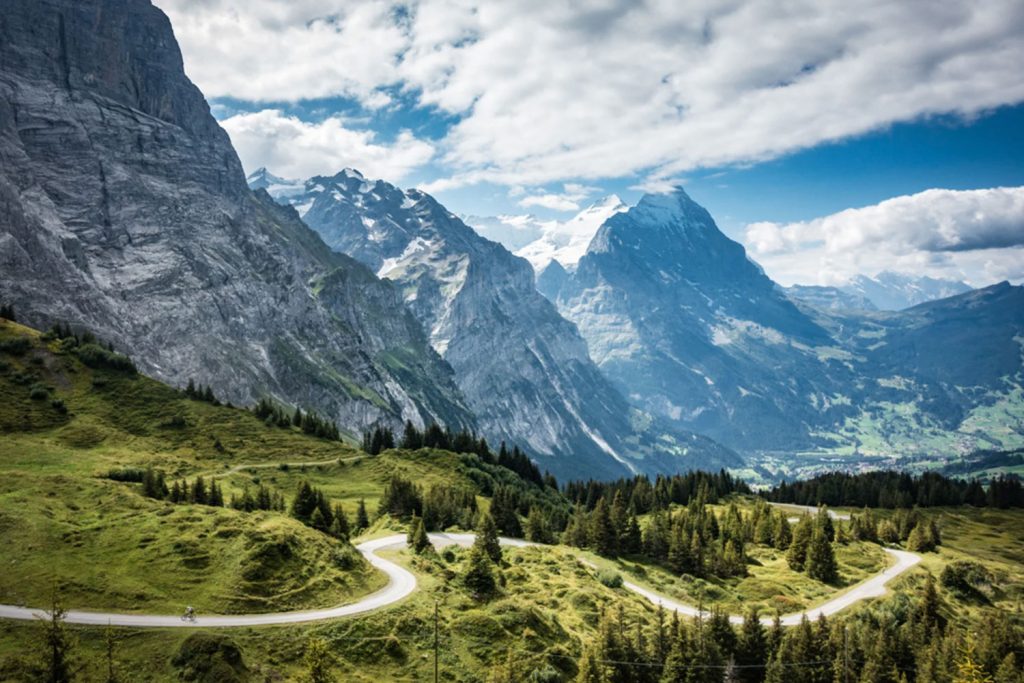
38	392
346	559
609	578
126	474
16	346
210	657
97	357
58	405
176	421
965	577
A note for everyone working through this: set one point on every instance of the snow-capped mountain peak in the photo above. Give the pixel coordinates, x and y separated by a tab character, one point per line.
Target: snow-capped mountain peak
895	291
276	186
567	241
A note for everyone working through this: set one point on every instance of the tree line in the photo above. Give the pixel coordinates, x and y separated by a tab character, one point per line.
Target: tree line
308	421
643	496
891	489
90	350
381	438
896	643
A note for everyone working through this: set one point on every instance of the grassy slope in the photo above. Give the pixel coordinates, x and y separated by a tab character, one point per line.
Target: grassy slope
104	544
107	546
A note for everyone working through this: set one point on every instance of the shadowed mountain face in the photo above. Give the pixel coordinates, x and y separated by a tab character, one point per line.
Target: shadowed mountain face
524	369
689	328
124	208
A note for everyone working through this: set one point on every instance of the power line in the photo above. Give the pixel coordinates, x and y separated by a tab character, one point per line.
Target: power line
688	666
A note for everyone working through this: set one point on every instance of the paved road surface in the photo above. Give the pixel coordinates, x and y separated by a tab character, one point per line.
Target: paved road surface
401	583
810	509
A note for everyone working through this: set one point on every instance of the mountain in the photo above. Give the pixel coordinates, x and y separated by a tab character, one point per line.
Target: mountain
523	369
276	187
830	298
567	242
124	209
895	291
687	326
692	330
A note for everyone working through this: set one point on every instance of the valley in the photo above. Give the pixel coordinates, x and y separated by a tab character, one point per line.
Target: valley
589	342
120	549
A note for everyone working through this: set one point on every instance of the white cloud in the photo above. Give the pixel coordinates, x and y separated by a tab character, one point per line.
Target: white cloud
568	200
288	50
548	90
298	149
976	235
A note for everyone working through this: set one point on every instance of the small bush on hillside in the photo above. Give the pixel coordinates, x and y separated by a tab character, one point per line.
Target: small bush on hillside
210	657
966	578
127	474
17	346
38	392
58	405
609	578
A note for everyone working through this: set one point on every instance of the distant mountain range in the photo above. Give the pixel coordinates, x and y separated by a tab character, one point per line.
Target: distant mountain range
885	292
523	368
687	327
657	344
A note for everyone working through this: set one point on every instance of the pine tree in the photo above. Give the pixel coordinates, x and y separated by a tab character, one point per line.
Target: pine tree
751	647
821	558
602	531
487	538
216	497
479	576
1008	671
362	519
796	557
412	440
782	534
679	558
590	669
198	494
968	669
339	526
576	533
58	646
318	662
928	612
418	539
824	521
317	521
537	527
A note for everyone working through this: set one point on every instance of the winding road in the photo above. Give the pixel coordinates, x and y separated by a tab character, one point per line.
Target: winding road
401	583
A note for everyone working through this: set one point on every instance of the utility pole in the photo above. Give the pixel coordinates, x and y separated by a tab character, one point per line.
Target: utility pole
846	653
435	641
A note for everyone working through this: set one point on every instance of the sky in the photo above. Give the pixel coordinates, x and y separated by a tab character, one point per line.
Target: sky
830	138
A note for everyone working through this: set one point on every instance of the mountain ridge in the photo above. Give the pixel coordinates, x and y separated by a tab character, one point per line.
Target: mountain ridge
525	370
691	329
127	212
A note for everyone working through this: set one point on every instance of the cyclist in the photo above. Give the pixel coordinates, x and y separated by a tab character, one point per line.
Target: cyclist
189	615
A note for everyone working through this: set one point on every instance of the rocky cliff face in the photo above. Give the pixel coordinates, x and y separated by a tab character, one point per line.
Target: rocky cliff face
689	328
524	369
123	208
